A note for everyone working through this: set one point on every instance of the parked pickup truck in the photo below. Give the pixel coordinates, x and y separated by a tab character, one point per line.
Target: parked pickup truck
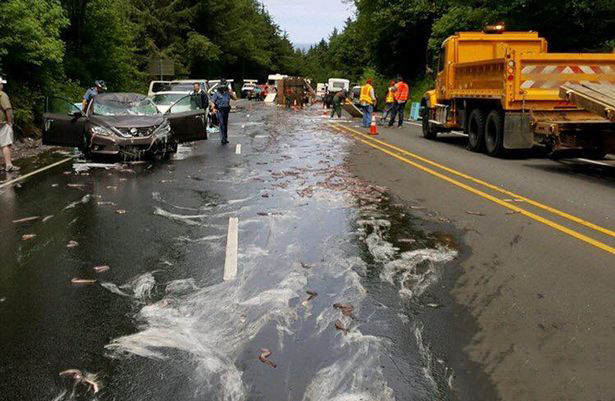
504	90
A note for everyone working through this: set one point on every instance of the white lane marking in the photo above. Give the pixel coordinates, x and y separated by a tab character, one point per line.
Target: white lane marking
238	149
30	174
595	162
232	242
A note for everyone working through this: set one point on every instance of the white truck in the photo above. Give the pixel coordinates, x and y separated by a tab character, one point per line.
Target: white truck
337	84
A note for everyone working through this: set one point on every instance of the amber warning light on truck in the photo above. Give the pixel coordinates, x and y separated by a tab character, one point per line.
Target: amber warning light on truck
498	28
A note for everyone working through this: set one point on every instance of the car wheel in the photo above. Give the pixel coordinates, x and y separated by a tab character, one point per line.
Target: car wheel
476	131
428	131
494	133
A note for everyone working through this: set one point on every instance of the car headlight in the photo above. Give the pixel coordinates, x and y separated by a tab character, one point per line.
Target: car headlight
98	130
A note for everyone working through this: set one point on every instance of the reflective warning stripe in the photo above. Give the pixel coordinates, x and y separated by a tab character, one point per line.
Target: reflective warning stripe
604	74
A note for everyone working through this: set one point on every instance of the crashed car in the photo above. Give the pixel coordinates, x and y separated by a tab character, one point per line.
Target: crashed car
128	125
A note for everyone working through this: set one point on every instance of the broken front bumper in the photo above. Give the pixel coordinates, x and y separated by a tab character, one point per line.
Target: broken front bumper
135	146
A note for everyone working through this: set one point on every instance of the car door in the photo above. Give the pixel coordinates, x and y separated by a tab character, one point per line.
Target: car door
187	119
63	123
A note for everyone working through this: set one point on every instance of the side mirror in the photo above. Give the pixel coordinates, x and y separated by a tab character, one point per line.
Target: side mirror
76	114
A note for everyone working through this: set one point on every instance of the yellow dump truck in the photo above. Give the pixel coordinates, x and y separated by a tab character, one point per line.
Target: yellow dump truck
505	91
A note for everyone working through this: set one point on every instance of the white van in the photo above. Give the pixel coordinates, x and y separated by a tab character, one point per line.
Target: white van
337	84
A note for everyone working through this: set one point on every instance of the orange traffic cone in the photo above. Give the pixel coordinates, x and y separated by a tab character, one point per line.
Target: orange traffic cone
373	129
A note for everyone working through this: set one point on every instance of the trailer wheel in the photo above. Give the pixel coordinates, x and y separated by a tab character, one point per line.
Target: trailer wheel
494	133
476	131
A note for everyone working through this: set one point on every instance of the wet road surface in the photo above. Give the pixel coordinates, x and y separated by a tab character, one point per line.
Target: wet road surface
537	263
161	323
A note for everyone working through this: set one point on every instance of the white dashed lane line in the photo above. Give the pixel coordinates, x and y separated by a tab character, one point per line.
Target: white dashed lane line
238	149
232	243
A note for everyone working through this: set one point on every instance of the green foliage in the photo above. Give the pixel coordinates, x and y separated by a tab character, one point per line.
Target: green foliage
31	32
32	53
403	36
61	46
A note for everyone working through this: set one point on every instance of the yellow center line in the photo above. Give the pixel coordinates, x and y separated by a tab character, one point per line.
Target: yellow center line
484	195
539	205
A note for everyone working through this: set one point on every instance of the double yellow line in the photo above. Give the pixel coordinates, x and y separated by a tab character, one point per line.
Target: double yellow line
400	154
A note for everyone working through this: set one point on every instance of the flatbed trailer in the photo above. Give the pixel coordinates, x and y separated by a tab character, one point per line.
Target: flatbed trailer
503	90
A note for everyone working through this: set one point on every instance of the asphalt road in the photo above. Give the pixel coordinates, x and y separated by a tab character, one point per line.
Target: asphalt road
538	269
458	290
170	319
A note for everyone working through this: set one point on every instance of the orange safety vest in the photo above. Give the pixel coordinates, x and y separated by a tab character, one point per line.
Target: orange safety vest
366	94
402	92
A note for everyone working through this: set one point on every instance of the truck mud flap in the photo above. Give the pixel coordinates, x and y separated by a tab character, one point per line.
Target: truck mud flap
517	131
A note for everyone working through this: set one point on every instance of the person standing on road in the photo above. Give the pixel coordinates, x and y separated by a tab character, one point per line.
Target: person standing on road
221	104
288	98
99	87
199	98
200	101
6	128
402	92
367	100
338	98
390	101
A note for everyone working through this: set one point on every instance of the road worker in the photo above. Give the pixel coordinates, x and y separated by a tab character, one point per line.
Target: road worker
389	102
336	103
367	100
401	94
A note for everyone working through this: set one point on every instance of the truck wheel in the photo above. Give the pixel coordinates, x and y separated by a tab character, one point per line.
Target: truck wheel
428	131
476	131
494	133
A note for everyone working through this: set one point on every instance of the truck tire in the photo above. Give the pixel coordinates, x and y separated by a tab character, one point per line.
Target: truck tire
428	131
476	131
494	133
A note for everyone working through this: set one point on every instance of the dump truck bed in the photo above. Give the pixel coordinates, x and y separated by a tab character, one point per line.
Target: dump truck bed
531	81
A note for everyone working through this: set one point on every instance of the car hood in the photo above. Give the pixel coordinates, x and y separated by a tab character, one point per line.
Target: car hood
128	121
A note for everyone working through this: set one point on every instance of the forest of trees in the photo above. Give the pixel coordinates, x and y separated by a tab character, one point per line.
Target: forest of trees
62	46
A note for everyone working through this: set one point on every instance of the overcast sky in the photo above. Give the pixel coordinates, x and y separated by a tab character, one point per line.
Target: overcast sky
308	21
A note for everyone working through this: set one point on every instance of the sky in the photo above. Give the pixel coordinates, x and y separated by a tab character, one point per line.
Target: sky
308	21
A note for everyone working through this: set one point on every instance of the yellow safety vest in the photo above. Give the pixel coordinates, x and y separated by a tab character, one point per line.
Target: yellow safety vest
366	94
390	96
